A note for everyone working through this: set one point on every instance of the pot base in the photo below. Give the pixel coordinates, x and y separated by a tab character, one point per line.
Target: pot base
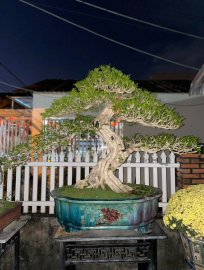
69	227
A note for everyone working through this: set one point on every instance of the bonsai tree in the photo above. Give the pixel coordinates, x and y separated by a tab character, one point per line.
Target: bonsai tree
111	93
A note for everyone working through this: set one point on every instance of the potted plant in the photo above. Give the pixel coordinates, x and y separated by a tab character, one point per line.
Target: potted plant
184	213
9	211
112	95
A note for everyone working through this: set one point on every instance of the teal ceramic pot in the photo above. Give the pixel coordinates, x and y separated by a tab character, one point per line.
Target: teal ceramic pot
194	252
124	214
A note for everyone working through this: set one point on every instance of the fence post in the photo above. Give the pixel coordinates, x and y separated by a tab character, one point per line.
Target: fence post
146	170
18	183
87	157
137	159
69	174
35	187
61	170
155	174
172	174
44	183
26	187
78	168
164	186
52	180
129	170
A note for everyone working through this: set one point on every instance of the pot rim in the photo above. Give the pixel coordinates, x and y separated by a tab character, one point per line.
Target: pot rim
190	238
17	203
158	193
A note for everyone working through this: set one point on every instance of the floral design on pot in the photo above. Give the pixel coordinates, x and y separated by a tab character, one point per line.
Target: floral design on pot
111	215
194	250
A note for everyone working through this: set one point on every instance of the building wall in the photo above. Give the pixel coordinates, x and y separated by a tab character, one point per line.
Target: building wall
191	171
44	99
41	101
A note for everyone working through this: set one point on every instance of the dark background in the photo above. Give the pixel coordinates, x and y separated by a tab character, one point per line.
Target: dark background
35	46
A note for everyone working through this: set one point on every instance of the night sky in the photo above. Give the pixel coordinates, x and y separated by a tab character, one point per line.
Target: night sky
35	46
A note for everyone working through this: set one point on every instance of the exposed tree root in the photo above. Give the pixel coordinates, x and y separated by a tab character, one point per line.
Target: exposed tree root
93	180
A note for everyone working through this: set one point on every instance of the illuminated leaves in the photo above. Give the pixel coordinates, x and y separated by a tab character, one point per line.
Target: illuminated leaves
109	90
162	141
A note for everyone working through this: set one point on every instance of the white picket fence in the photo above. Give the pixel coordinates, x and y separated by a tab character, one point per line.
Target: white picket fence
33	182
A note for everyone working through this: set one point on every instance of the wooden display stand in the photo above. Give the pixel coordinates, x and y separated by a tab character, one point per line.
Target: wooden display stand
143	251
11	236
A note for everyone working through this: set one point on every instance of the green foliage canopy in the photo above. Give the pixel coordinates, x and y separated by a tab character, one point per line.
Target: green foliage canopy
105	87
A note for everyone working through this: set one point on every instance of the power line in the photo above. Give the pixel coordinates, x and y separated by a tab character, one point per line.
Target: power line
4	67
17	87
25	89
179	14
174	11
168	15
141	10
131	18
6	90
172	15
89	15
4	87
130	47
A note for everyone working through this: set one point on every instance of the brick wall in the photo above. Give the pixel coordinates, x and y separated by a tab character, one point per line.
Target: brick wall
191	171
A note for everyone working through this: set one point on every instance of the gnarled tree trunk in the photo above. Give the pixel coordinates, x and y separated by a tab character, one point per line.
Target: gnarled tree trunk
103	173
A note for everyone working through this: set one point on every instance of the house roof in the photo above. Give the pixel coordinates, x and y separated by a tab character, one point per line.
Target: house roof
50	85
173	76
165	86
6	99
63	85
155	86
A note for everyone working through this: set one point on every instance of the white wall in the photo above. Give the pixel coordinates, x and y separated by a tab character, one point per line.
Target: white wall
44	100
41	101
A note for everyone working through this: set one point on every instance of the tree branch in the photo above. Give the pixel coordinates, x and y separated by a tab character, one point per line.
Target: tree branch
153	144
